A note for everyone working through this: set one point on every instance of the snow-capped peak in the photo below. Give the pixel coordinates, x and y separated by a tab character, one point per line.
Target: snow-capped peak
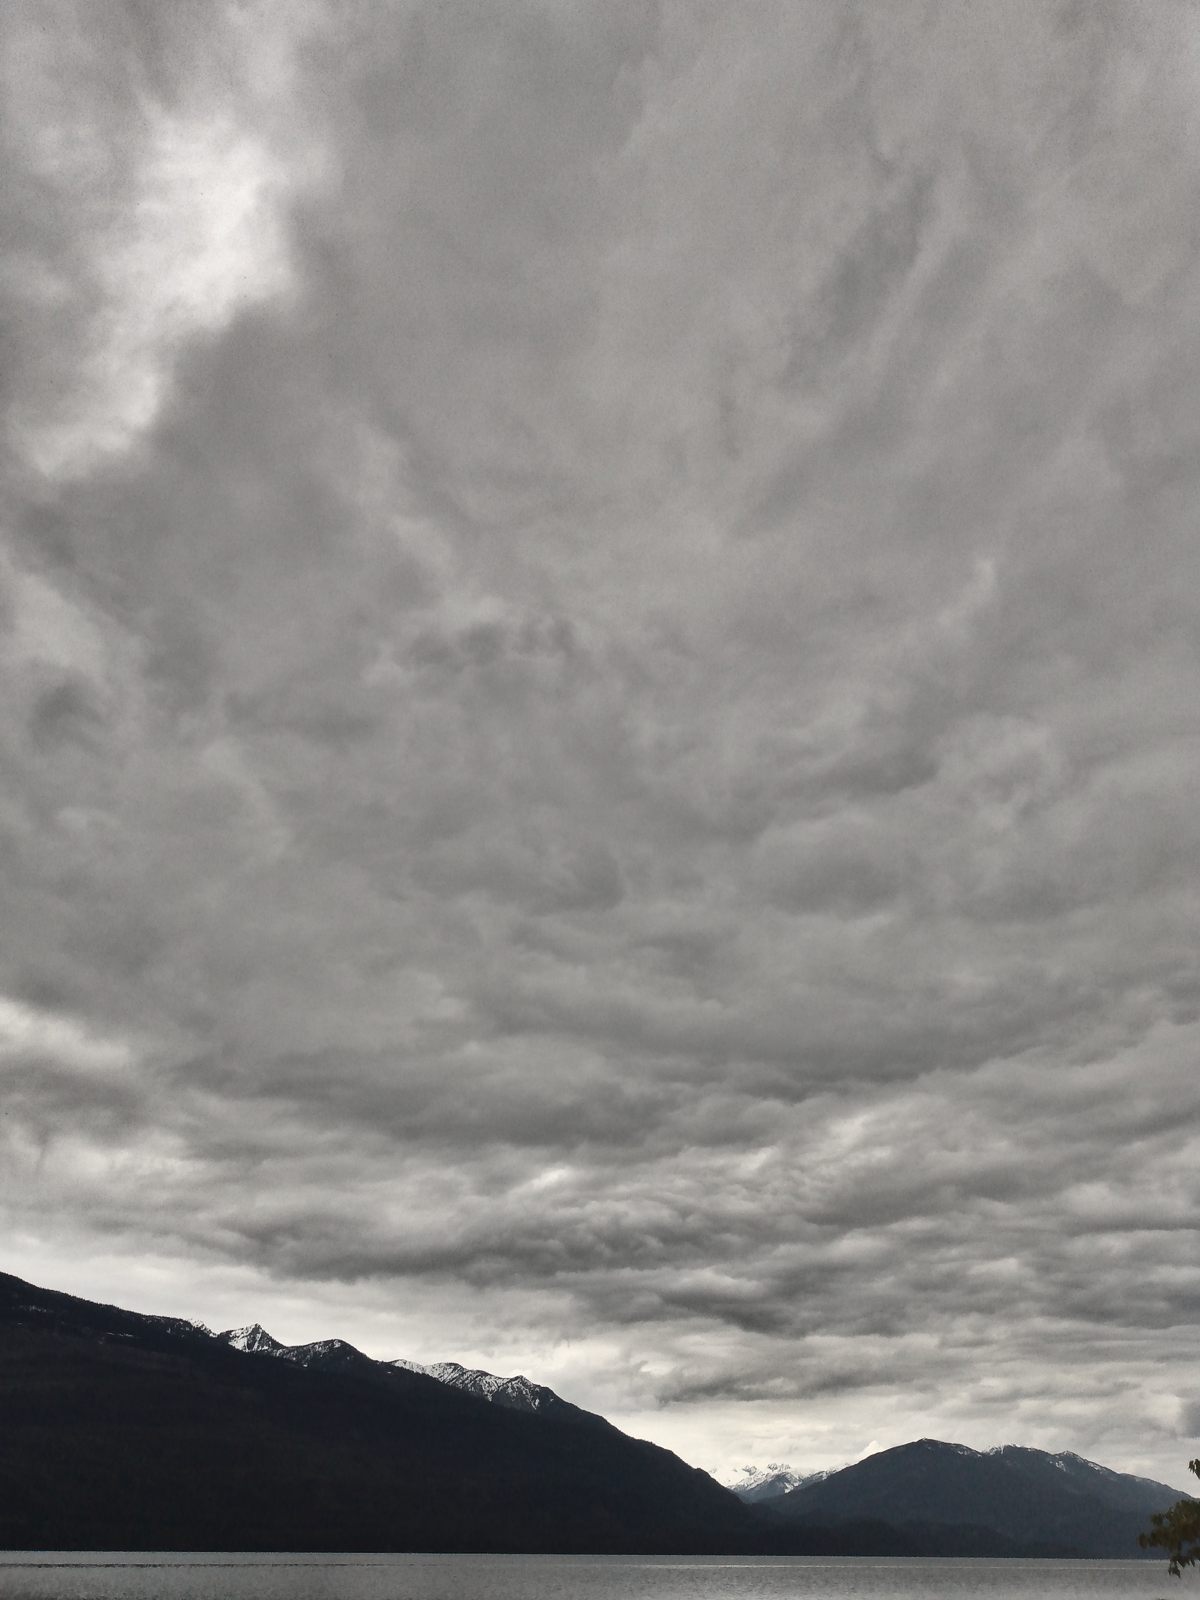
768	1483
752	1477
518	1392
254	1339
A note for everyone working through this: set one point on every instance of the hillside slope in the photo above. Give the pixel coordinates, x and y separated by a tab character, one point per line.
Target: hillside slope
1058	1501
129	1432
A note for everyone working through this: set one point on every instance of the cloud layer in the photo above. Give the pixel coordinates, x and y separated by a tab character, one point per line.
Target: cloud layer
599	623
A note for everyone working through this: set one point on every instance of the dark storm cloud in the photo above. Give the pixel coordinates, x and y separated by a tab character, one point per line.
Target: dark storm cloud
599	633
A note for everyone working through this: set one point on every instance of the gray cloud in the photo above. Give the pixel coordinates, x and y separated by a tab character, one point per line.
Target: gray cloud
598	619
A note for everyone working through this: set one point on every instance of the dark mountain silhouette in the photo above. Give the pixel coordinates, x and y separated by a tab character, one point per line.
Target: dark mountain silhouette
123	1431
1061	1502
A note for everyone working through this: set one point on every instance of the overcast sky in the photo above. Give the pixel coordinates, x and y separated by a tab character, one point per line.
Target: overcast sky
599	623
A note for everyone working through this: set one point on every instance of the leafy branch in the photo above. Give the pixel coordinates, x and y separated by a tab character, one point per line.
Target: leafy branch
1177	1531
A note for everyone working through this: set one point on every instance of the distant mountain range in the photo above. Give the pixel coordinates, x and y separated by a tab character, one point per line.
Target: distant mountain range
126	1431
1021	1494
753	1485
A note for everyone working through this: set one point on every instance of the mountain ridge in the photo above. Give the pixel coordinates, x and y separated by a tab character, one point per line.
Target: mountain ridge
752	1485
517	1393
1019	1491
128	1430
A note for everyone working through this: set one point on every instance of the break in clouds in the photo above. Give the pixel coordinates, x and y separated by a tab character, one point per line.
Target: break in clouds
599	625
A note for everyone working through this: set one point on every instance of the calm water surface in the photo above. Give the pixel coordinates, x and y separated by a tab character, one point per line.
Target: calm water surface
111	1576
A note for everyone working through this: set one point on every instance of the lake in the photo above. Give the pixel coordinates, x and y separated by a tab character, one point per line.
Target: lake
112	1576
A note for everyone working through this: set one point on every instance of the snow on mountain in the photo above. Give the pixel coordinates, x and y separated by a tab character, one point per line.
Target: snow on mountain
184	1325
1065	1461
755	1484
328	1354
255	1340
518	1393
306	1355
1060	1503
